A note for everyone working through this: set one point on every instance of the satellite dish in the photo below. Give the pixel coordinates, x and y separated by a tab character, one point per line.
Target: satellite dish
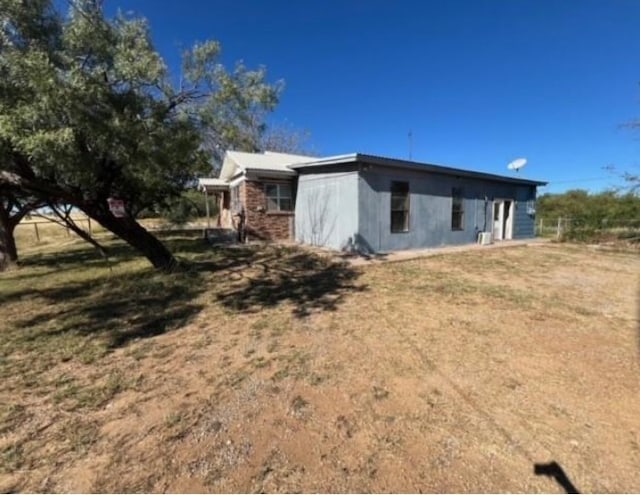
517	164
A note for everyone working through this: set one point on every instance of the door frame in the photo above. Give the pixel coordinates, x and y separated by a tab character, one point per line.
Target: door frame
506	229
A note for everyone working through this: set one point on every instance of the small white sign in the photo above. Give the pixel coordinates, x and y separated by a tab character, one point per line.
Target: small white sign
116	206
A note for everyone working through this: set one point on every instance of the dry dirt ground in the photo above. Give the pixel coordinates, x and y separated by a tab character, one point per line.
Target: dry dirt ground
275	369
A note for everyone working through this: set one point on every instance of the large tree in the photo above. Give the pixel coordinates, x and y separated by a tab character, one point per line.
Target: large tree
14	205
89	112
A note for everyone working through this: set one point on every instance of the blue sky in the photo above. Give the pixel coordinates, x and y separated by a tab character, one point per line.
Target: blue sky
477	82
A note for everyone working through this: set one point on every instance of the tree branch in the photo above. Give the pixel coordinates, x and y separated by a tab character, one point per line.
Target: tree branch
65	220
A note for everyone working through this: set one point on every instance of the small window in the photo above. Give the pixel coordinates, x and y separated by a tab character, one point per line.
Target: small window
531	207
399	206
457	209
278	197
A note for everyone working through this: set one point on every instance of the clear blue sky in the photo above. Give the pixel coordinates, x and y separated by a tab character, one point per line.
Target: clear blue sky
478	82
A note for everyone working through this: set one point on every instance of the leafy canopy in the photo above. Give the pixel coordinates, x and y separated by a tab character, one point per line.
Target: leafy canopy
88	109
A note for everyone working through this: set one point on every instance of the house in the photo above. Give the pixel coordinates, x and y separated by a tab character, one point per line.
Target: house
367	203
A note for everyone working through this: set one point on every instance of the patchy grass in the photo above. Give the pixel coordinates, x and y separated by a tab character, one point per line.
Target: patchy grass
271	368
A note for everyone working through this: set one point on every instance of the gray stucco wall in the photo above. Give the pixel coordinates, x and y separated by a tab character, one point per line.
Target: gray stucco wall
350	210
327	209
430	209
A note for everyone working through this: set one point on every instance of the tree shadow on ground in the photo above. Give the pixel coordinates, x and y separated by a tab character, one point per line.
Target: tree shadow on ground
85	255
117	309
288	275
117	251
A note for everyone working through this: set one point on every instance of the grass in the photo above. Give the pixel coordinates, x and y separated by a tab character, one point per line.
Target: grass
271	368
41	233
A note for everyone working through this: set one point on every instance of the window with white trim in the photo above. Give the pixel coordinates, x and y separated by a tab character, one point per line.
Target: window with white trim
279	197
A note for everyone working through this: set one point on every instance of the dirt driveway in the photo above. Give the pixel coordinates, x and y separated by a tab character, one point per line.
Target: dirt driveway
453	373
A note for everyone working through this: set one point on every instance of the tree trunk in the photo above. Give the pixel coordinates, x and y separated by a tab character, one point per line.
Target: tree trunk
8	250
135	235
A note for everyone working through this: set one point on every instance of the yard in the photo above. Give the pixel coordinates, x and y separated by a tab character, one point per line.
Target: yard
277	369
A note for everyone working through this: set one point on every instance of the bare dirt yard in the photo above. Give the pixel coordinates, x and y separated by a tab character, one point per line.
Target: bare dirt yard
276	369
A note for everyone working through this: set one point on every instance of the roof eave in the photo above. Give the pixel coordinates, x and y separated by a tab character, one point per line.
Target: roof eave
265	172
331	160
378	160
425	167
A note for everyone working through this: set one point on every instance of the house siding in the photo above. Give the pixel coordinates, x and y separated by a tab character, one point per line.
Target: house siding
260	223
327	209
430	209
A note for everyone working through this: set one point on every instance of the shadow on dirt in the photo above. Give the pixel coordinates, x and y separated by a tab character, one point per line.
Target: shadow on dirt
278	275
119	306
555	471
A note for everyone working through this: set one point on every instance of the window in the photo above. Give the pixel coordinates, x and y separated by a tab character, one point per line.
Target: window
278	197
531	207
457	209
399	206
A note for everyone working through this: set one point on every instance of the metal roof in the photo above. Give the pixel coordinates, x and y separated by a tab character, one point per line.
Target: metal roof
406	164
239	162
269	161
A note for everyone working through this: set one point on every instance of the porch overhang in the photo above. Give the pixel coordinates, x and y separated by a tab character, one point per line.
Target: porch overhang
213	185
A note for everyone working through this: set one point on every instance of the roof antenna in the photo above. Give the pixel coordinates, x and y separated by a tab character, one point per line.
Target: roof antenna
410	144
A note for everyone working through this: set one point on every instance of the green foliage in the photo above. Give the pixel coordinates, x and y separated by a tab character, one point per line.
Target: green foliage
590	216
189	205
90	102
89	111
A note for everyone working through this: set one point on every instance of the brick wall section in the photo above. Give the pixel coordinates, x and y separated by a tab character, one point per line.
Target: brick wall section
262	224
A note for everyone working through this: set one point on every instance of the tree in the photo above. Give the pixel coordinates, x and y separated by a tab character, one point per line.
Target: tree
286	139
89	112
590	215
190	205
13	208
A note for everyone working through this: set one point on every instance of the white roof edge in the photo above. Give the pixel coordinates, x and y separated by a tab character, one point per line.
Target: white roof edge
212	181
229	165
329	160
209	183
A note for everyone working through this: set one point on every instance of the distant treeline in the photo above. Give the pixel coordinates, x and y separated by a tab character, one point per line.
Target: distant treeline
586	216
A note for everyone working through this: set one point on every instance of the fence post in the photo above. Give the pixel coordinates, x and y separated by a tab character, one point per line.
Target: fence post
559	230
35	225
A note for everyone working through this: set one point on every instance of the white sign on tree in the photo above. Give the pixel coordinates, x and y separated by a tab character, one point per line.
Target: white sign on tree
116	207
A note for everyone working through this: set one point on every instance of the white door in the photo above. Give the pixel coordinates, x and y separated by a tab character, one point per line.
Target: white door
497	220
507	219
503	219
